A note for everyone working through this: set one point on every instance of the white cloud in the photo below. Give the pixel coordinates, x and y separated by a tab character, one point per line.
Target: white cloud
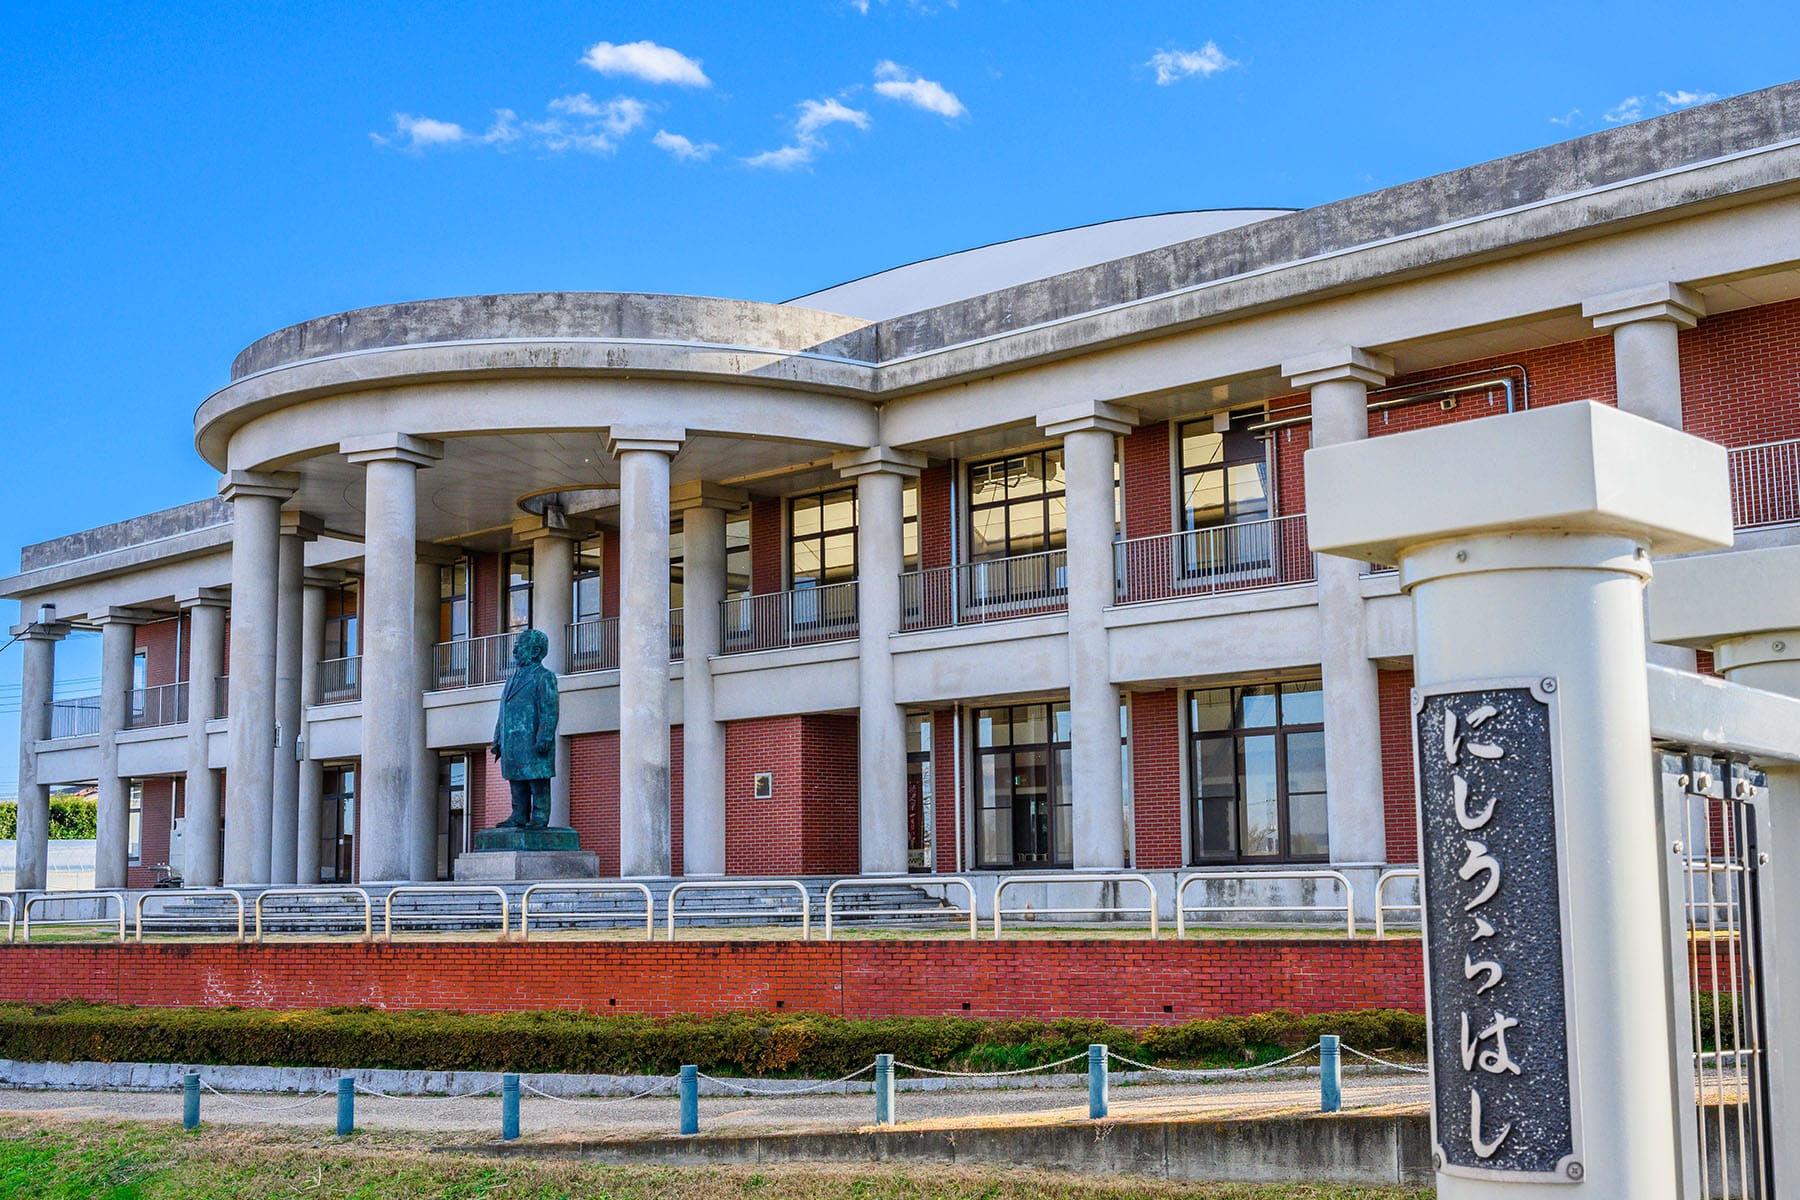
1567	118
683	148
1685	99
579	122
579	105
415	133
646	61
815	115
897	83
1174	65
1631	108
922	7
1634	108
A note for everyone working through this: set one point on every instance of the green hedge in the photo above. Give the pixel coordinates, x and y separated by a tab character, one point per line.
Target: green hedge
747	1044
72	818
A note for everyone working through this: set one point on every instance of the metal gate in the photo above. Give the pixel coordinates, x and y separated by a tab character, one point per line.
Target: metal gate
1712	813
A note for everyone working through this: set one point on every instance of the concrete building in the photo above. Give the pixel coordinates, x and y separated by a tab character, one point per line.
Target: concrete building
993	562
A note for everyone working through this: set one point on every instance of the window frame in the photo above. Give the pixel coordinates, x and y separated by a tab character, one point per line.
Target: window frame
1059	793
134	824
509	588
1237	733
451	602
1184	471
1054	538
824	533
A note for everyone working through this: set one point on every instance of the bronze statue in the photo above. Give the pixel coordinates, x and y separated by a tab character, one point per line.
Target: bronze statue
525	733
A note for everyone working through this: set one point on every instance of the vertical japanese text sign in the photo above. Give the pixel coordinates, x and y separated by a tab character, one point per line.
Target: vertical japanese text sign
1504	1097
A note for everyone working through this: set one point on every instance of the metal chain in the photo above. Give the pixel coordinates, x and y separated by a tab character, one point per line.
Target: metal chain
1384	1062
1062	1062
264	1107
523	1086
799	1091
369	1091
1142	1066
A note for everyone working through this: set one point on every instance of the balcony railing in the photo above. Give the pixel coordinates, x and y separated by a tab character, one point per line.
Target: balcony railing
221	697
676	629
78	716
801	617
996	589
154	707
1224	558
340	679
1765	484
594	645
473	662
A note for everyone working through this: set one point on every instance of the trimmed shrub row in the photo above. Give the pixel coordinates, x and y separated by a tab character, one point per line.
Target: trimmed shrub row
583	1043
71	818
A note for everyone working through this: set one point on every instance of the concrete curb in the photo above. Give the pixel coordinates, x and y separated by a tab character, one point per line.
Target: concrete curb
301	1081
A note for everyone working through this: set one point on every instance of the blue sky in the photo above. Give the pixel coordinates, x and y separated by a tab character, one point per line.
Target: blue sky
176	180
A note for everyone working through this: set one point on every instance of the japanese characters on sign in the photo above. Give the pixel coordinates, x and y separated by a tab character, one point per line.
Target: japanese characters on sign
1504	1101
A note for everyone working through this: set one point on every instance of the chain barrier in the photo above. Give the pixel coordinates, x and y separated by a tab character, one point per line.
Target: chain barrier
366	1090
1062	1062
799	1091
661	1085
1143	1066
272	1108
1384	1062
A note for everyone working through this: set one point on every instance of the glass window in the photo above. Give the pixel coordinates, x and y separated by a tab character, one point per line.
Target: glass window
822	538
737	555
1224	473
1257	772
921	810
341	635
453	601
1017	505
515	599
909	526
588	560
134	824
1022	779
677	564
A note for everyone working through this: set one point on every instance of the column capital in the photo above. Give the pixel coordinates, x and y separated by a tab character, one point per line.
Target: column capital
432	552
878	460
391	447
324	577
1704	601
1343	364
698	493
1652	302
663	439
121	616
31	631
1100	415
203	597
276	485
529	529
301	525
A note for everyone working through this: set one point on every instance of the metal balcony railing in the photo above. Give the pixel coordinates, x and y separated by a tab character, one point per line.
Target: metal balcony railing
77	716
676	630
995	589
594	645
1224	558
473	662
221	697
1765	484
801	617
154	707
340	680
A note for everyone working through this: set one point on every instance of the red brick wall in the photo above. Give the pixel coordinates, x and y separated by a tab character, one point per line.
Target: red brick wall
936	520
594	796
1156	779
1740	375
484	594
159	801
943	768
809	826
609	574
1144	478
1394	689
158	641
766	549
1134	983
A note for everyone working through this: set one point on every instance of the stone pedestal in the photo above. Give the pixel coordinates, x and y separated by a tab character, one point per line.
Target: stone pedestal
509	855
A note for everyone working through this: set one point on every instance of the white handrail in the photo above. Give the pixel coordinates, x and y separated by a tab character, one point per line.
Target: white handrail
442	889
1348	907
586	888
51	897
741	885
1066	877
1381	904
10	916
895	881
318	893
137	919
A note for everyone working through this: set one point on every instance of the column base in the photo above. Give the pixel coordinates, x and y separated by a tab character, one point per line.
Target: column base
514	866
554	837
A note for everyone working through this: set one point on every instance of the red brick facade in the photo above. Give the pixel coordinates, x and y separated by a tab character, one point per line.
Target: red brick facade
944	797
1169	981
1740	375
809	825
766	551
1156	779
1146	481
1394	689
936	520
594	796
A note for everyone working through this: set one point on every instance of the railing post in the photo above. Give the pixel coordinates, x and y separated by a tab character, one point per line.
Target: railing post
1096	1081
190	1100
346	1122
690	1100
509	1108
1331	1074
884	1089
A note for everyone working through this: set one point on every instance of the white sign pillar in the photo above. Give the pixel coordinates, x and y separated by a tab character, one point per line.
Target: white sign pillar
1525	542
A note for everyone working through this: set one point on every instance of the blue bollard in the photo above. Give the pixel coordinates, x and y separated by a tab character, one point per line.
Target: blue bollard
1331	1074
509	1108
190	1100
884	1089
346	1105
1096	1081
690	1101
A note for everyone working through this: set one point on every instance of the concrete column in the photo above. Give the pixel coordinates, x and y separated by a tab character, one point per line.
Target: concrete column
389	786
112	834
1646	324
249	781
1356	825
206	662
1744	606
297	529
311	772
1545	582
422	812
37	688
880	474
644	456
553	608
1090	434
702	508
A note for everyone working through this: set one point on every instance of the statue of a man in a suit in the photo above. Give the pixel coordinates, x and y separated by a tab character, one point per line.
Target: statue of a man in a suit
525	733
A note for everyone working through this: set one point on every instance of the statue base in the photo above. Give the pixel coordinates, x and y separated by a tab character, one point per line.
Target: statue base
516	855
554	837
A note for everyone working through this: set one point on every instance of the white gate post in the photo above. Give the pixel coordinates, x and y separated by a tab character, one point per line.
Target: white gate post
1525	542
1745	607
